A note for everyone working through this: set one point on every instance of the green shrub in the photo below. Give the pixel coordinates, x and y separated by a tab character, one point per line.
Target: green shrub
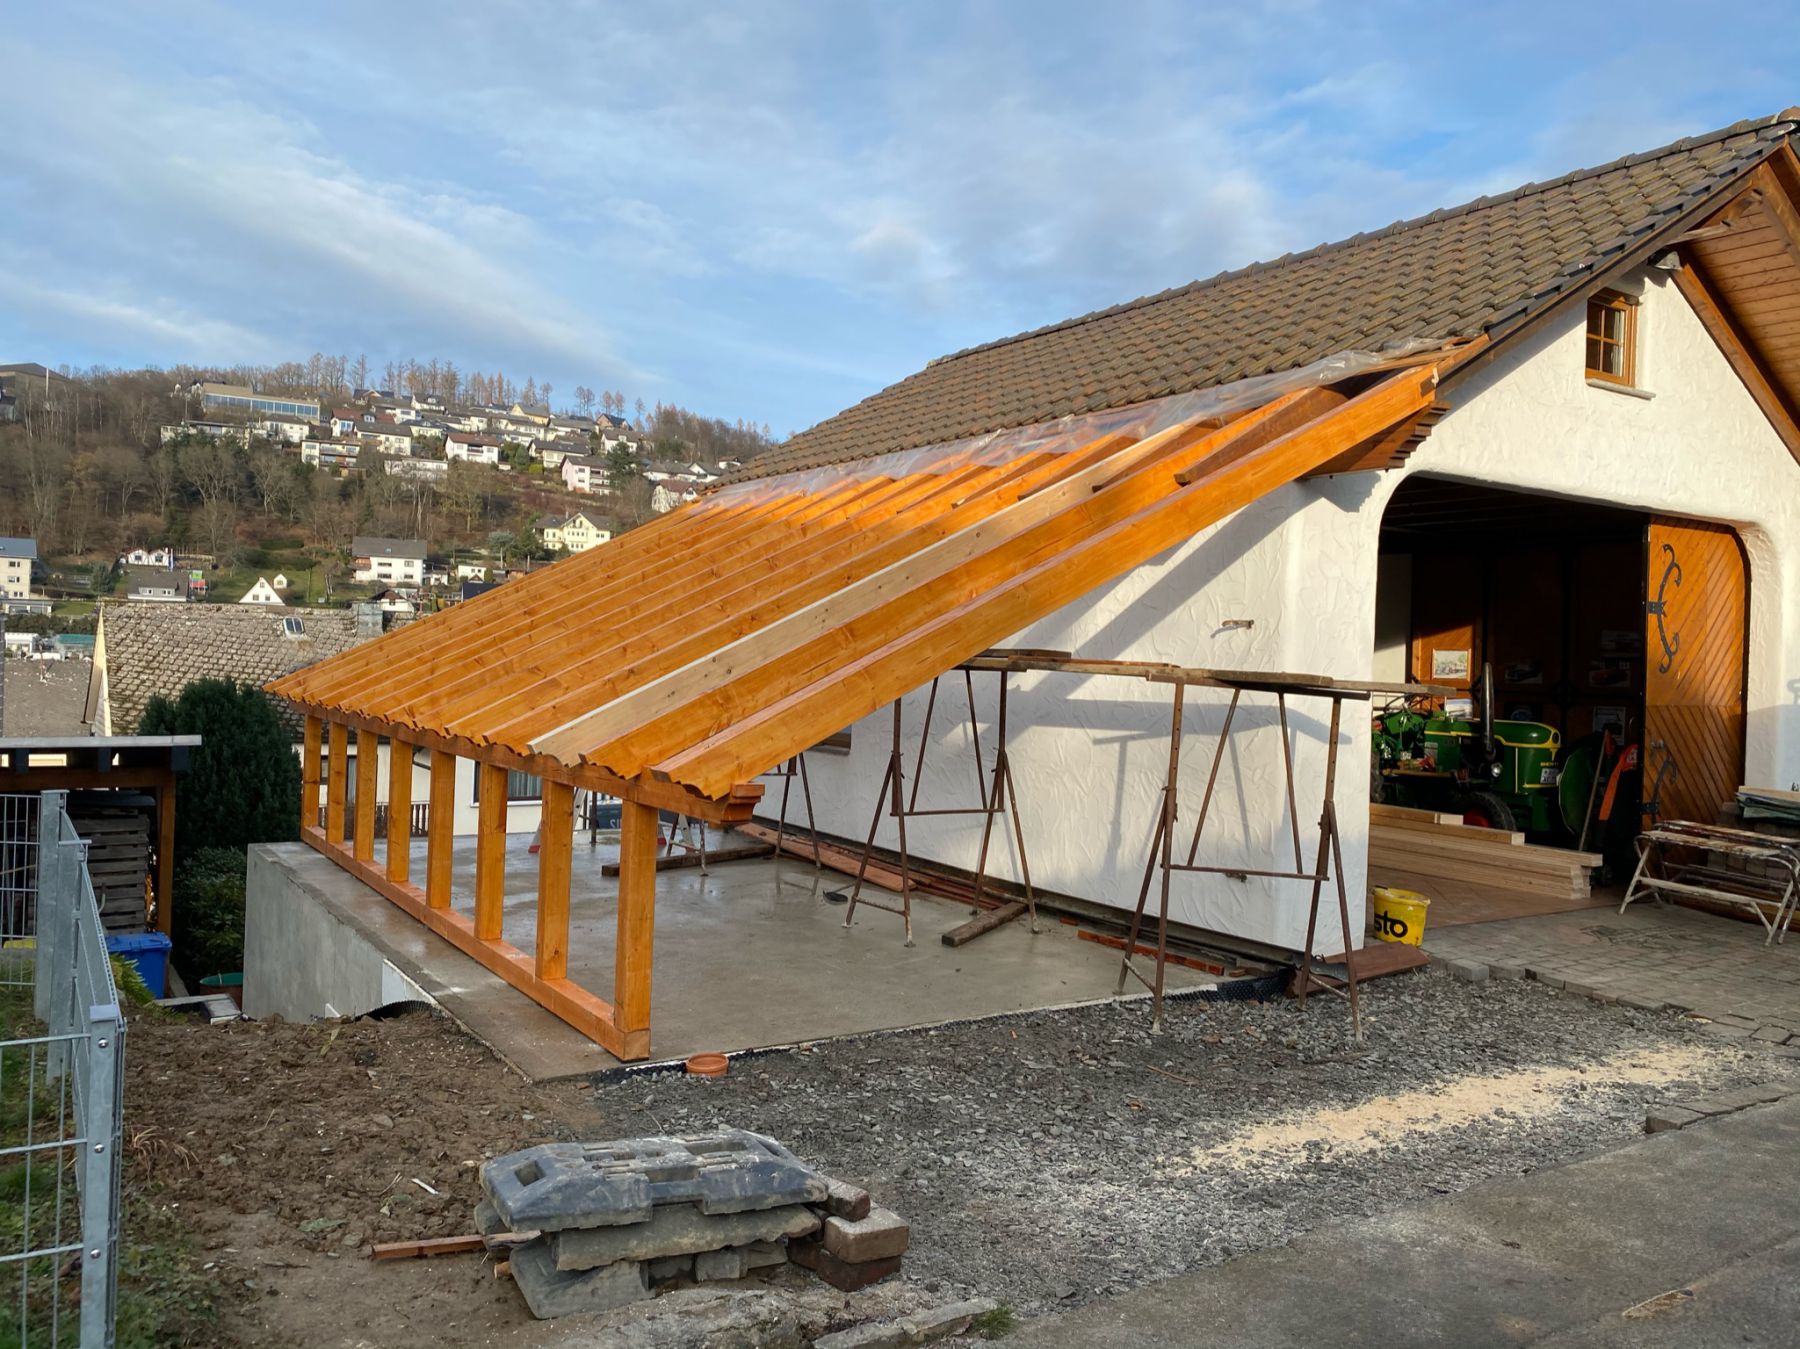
209	913
242	784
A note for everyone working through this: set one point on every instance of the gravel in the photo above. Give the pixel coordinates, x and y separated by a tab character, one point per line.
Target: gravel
1045	1160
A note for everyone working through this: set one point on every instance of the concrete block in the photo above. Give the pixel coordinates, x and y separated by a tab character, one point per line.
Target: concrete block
1724	1031
1498	970
869	1335
881	1234
1738	1098
1547	979
844	1200
1642	1002
737	1261
550	1292
1663	1118
810	1253
1469	971
1737	1019
1775	1035
1578	988
678	1229
673	1267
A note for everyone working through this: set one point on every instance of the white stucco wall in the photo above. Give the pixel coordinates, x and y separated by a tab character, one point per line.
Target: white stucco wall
1089	754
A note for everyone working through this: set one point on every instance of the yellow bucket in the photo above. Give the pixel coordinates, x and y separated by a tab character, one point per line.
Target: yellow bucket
1400	915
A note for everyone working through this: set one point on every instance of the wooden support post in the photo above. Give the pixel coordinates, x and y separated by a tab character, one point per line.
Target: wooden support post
165	848
556	835
637	917
399	833
335	784
440	829
490	850
309	773
368	760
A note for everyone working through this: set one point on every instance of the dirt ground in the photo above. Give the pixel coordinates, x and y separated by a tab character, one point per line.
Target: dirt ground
1041	1160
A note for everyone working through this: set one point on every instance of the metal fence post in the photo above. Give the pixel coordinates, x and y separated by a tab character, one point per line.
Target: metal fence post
52	889
100	1177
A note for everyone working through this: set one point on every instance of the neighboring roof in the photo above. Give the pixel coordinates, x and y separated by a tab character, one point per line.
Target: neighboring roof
139	577
44	697
15	547
1457	272
162	648
363	546
32	370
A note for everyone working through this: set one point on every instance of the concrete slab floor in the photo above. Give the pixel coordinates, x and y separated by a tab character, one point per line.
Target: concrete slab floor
751	956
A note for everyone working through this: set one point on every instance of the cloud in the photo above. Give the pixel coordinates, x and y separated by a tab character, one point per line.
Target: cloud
164	324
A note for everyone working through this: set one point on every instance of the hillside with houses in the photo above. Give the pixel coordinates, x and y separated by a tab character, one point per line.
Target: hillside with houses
266	485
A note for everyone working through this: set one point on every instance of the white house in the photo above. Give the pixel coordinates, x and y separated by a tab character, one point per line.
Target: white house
584	472
149	557
16	557
284	427
394	562
332	454
388	436
471	571
476	449
263	592
424	470
575	534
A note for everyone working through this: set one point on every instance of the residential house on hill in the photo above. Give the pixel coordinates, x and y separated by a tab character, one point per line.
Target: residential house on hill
16	558
156	585
572	534
141	650
584	473
398	562
475	449
263	592
340	455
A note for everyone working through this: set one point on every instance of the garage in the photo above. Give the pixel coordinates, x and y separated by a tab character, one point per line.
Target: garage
1594	659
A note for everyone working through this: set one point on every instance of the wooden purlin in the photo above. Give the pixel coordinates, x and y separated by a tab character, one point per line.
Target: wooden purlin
749	744
710	695
368	669
578	647
576	616
765	599
318	681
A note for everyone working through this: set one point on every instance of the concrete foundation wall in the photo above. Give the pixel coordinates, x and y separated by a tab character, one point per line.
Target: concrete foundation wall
1300	566
301	961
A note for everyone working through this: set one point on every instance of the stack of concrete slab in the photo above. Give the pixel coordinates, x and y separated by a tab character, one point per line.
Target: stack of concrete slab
612	1221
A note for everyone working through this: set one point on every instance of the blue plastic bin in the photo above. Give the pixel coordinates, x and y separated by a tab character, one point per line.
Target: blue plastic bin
148	951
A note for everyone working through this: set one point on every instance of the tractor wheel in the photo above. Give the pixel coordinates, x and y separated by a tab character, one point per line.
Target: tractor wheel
1485	810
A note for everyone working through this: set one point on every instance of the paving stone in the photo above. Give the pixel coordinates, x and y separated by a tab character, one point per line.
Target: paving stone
1724	1031
677	1229
555	1186
1469	971
671	1267
845	1200
1501	970
1737	1019
737	1261
550	1292
1739	1098
810	1253
1546	978
881	1234
951	1319
1642	1002
1775	1035
1663	1118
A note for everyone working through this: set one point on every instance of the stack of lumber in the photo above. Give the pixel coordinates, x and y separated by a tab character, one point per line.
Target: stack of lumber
1407	846
118	862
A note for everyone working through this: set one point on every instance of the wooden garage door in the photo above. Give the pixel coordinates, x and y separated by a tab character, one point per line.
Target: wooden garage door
1697	602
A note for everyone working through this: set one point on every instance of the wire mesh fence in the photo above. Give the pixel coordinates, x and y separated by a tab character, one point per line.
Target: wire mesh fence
61	1090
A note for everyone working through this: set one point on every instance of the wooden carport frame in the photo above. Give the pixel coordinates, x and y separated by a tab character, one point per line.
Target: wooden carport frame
821	600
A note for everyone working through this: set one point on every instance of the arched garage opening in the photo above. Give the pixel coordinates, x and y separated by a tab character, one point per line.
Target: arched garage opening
1596	660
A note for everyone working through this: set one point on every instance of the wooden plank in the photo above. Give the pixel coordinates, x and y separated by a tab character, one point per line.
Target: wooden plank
682	860
632	951
427	1246
311	745
490	851
556	831
165	853
899	647
368	759
440	829
336	782
983	923
399	822
591	1015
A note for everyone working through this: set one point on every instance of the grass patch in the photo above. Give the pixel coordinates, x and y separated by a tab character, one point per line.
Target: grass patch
994	1325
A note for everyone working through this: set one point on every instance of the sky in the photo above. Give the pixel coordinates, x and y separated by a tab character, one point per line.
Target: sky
758	210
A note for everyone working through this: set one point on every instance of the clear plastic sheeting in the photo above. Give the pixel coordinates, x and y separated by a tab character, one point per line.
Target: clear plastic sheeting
1063	434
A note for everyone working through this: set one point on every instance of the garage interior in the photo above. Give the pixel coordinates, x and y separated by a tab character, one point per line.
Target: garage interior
1548	594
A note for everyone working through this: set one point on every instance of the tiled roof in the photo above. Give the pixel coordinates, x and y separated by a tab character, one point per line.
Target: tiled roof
162	648
367	546
1454	273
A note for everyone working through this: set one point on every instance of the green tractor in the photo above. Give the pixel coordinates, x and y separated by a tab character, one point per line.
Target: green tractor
1499	774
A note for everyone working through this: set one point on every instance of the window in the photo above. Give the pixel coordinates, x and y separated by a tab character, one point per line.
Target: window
1612	338
519	786
293	627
